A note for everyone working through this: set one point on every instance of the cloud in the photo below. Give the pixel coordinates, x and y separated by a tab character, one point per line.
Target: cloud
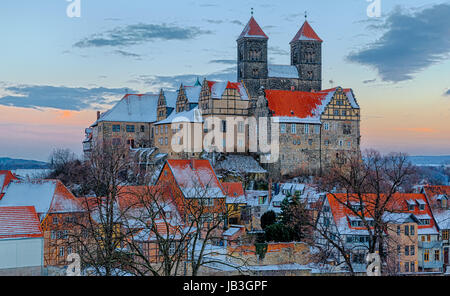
226	62
447	92
369	81
127	54
214	21
236	22
140	33
410	44
60	97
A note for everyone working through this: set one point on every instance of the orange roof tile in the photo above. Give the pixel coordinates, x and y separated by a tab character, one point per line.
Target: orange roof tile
306	32
294	103
233	189
252	29
18	222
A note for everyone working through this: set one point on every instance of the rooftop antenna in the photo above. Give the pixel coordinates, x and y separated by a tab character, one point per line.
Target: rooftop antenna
252	11
306	15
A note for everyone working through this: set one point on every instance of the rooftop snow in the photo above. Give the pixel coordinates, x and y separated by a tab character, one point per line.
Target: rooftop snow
19	222
193	115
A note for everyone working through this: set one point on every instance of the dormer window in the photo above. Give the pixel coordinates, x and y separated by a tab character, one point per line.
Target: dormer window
411	205
421	204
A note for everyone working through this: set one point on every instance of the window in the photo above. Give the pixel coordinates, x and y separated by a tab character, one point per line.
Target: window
406	229
445	234
130	128
341	143
240	127
61	251
426	255
69	250
283	128
142	128
437	255
156	130
223	126
349	144
407	250
344	112
310	141
326	126
412	250
53	234
166	141
167	129
116	128
411	229
398	230
306	128
346	129
55	220
336	112
413	267
327	142
293	128
406	266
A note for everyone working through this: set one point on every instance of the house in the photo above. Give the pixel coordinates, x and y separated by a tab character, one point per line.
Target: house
5	178
58	211
235	201
412	234
21	241
438	198
195	190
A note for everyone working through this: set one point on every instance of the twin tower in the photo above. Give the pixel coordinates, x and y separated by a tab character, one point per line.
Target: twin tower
304	73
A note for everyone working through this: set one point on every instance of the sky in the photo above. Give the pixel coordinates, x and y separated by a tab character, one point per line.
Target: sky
56	71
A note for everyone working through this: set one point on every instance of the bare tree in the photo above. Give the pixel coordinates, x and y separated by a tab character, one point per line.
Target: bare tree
366	188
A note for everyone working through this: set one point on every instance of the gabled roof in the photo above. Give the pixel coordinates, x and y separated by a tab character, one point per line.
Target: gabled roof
396	205
301	106
19	222
196	178
193	93
217	89
47	196
306	32
5	178
192	116
253	30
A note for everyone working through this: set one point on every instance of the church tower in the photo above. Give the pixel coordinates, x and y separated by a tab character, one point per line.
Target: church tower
252	56
306	55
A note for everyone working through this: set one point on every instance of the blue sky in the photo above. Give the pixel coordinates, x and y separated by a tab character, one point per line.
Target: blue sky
396	64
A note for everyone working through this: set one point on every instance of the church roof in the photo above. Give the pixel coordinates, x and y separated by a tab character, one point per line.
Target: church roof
306	32
253	30
300	106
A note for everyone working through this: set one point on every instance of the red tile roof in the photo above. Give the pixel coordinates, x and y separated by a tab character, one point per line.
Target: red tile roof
397	203
294	103
432	192
17	222
306	32
192	173
252	29
233	189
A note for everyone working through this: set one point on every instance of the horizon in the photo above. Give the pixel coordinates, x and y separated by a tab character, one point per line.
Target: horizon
50	94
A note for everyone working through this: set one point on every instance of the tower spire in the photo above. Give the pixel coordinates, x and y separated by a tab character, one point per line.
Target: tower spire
252	11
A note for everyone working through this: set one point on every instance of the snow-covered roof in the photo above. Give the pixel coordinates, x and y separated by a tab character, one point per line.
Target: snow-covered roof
19	222
302	107
425	231
217	88
194	115
442	219
253	30
240	164
232	230
133	108
171	98
193	93
47	196
282	71
196	178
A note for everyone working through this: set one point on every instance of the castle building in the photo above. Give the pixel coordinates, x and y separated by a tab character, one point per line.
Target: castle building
316	127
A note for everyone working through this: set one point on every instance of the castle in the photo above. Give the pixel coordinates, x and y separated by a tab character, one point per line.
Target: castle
316	127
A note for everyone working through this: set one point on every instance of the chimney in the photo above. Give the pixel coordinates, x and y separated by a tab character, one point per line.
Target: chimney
98	115
270	190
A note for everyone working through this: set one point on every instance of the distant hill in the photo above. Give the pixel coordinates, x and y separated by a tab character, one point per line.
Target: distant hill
14	164
430	160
